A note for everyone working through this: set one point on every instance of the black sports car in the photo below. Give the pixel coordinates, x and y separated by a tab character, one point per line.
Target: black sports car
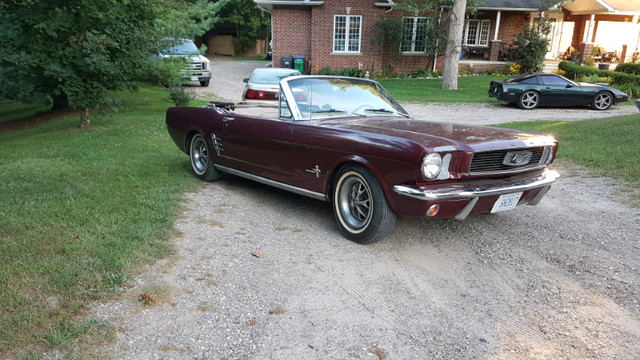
532	90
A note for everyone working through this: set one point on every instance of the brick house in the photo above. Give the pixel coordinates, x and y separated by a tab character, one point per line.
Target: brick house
339	33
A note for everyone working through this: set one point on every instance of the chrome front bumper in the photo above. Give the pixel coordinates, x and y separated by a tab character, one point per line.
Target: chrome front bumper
464	191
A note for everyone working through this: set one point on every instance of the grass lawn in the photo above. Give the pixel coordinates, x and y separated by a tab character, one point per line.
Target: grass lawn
78	208
470	89
11	110
608	146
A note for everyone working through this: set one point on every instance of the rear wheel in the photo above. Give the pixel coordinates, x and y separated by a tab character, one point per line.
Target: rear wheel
360	207
529	100
602	101
201	159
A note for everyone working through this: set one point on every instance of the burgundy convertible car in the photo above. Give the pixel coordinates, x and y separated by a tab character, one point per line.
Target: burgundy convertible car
347	141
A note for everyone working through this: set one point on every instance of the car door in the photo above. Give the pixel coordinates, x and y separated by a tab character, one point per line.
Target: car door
556	90
257	145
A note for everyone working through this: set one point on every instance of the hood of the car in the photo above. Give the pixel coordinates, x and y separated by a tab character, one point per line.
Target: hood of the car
192	58
601	87
434	135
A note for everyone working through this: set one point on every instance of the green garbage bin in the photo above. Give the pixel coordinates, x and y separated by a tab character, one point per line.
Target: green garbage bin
298	63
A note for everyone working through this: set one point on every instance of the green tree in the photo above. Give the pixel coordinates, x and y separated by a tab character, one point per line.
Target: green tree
445	34
532	44
73	52
245	21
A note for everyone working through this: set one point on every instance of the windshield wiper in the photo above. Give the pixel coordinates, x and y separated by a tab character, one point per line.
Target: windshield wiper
381	110
326	111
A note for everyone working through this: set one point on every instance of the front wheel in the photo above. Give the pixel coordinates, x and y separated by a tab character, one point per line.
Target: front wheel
602	101
204	83
201	159
360	207
529	100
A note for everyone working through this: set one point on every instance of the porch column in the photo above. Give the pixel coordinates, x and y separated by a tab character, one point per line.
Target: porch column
495	34
589	33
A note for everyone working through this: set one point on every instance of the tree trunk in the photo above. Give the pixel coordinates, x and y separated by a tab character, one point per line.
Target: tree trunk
60	102
84	118
454	46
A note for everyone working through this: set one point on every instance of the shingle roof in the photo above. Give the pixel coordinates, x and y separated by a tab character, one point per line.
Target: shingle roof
522	5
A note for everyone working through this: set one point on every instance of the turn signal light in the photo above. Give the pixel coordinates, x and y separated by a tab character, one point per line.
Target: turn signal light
251	94
433	210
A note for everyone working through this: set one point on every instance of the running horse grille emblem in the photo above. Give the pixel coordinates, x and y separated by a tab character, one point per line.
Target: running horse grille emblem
517	158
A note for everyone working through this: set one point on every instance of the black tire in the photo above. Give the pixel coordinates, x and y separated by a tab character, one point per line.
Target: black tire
360	207
529	100
602	101
204	83
201	159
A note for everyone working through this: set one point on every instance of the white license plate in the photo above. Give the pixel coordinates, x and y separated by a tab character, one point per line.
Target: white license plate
194	78
506	202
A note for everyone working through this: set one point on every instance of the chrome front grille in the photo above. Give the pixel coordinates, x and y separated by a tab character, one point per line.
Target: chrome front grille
494	161
197	66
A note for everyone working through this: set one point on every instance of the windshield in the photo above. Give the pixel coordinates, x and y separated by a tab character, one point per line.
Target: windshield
332	97
185	48
271	76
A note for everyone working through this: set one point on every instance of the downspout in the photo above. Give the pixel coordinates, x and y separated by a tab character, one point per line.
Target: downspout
495	34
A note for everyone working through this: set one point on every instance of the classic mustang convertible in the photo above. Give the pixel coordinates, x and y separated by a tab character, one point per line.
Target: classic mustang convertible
532	90
347	141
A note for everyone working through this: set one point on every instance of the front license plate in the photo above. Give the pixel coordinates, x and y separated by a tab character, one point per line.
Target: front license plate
506	202
194	78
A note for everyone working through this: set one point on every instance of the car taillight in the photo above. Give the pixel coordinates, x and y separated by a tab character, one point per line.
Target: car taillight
252	94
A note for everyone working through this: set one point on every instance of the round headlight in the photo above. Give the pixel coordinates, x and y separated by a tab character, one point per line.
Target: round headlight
431	165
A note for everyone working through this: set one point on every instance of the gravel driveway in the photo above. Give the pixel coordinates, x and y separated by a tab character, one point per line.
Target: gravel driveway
260	273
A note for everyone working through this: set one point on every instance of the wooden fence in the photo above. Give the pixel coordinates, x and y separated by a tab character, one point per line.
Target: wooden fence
223	45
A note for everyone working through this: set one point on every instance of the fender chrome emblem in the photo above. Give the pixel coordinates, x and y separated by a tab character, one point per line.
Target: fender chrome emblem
316	171
517	158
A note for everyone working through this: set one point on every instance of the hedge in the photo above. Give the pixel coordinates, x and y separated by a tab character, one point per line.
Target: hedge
628	83
575	71
629	68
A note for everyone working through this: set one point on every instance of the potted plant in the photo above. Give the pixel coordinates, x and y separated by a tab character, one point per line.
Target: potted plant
574	54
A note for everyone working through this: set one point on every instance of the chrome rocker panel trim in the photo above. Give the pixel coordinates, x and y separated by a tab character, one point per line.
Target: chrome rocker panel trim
276	184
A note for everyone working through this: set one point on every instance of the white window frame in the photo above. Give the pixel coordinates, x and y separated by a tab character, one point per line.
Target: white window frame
344	48
482	28
414	33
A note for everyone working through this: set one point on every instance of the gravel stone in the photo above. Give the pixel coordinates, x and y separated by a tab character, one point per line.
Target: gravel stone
559	280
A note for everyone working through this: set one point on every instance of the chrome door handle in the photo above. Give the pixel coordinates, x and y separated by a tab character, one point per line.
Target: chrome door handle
227	119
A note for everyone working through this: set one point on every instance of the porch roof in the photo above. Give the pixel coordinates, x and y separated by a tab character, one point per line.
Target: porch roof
616	7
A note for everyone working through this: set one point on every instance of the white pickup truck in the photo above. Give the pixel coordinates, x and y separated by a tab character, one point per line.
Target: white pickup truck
199	69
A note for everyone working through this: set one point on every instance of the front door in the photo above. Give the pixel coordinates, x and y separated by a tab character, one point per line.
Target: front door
257	145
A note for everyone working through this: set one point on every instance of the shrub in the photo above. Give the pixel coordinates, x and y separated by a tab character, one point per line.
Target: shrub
425	73
629	68
628	83
532	46
353	72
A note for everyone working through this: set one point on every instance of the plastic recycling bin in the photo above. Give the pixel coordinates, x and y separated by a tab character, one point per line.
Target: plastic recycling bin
298	63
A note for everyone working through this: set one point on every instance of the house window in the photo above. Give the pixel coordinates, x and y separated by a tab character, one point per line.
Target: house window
414	34
476	32
346	33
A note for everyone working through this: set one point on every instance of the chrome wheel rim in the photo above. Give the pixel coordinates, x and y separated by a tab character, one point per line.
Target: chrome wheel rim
603	101
355	203
199	155
529	100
